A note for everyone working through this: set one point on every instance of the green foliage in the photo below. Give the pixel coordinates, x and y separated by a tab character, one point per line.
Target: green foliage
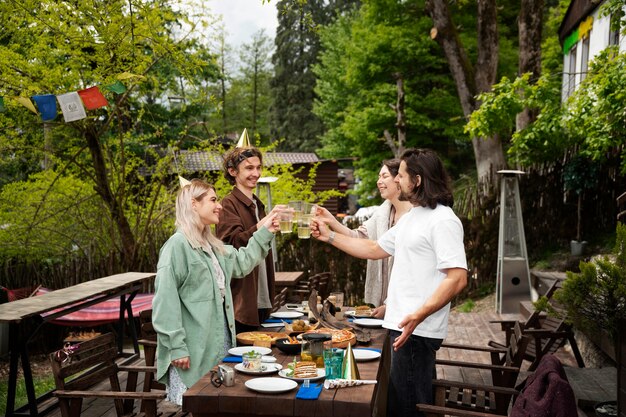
362	53
467	306
580	174
43	384
596	297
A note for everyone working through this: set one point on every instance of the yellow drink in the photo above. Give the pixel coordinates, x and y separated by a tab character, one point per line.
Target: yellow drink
318	359
304	232
285	226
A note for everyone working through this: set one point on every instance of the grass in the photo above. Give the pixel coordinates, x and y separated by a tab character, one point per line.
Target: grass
42	384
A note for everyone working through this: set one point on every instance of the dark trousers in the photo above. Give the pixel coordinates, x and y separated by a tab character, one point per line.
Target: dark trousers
264	313
412	372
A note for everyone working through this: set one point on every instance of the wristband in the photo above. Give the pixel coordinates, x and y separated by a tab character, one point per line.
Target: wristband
331	237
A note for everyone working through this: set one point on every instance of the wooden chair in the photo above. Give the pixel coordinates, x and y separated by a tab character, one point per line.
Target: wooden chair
303	289
280	299
323	284
149	342
78	369
468	399
548	332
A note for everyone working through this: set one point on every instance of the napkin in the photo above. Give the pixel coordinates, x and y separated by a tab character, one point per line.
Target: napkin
233	359
312	392
278	321
342	383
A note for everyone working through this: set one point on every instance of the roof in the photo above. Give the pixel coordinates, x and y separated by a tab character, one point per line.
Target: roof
196	161
576	12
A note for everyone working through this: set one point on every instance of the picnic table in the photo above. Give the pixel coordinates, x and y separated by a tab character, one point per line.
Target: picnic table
287	278
205	400
26	316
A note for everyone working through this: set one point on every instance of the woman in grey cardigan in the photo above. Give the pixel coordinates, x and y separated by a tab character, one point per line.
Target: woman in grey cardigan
385	217
193	305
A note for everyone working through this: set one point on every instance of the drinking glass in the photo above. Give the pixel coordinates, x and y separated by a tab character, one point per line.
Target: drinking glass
285	222
304	227
309	209
333	360
338	299
297	209
251	360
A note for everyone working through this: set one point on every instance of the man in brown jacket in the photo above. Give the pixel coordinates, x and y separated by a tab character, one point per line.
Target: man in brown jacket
241	216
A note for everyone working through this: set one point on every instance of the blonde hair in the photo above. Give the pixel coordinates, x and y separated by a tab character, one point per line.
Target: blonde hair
188	221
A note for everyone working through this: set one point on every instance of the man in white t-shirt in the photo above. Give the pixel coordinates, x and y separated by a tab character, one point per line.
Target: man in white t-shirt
429	270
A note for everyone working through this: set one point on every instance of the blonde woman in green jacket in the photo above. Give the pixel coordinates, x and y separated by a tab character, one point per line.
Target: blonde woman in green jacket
193	306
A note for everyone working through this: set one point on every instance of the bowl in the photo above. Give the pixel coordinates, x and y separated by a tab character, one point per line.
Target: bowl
289	348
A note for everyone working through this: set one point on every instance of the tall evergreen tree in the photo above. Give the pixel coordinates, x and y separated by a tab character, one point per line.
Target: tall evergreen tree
297	47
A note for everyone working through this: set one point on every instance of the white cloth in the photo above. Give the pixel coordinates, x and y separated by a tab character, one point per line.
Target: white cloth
377	274
424	242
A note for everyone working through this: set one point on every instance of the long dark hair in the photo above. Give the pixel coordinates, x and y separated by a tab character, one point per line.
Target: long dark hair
393	165
435	185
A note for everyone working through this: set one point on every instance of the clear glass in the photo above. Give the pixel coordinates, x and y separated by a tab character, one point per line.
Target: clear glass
304	227
297	209
286	218
251	361
338	299
333	360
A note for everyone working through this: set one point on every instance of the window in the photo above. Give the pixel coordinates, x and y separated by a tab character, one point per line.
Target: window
584	57
614	31
571	72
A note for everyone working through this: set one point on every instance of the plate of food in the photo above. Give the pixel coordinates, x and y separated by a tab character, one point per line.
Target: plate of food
240	350
300	326
266	368
340	338
299	371
292	314
360	311
362	355
373	323
270	385
250	338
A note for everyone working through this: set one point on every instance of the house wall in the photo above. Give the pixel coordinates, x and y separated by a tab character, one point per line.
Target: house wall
326	179
599	37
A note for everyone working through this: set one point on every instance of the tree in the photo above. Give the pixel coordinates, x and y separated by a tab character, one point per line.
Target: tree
297	47
383	85
256	71
472	79
60	46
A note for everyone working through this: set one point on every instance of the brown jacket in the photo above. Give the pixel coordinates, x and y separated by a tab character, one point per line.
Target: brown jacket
236	226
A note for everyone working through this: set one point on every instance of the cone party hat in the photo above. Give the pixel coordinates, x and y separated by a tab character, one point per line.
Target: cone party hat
244	140
183	181
349	369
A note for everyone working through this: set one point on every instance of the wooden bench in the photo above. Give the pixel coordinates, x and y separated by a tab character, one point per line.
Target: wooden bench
78	368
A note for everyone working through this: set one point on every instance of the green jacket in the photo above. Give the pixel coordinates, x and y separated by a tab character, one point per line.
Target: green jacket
187	312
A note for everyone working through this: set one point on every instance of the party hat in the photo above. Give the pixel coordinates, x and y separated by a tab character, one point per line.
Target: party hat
349	369
244	140
183	181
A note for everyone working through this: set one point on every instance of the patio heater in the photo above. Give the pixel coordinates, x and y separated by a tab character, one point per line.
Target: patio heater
513	277
266	183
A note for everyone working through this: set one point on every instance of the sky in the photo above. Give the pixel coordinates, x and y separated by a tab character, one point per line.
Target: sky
242	18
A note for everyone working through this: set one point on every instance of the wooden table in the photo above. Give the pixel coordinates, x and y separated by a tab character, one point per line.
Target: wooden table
26	316
204	400
287	278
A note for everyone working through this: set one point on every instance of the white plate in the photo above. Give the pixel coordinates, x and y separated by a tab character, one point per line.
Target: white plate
362	355
271	385
266	368
368	322
321	373
240	350
287	314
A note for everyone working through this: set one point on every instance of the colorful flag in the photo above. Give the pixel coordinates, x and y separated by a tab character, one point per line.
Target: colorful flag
117	87
2	108
47	106
93	98
71	106
25	101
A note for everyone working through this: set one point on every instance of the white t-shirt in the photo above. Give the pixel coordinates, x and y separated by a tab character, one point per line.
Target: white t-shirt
423	243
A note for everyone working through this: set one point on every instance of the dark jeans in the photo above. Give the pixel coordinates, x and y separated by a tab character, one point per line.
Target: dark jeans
264	313
412	371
